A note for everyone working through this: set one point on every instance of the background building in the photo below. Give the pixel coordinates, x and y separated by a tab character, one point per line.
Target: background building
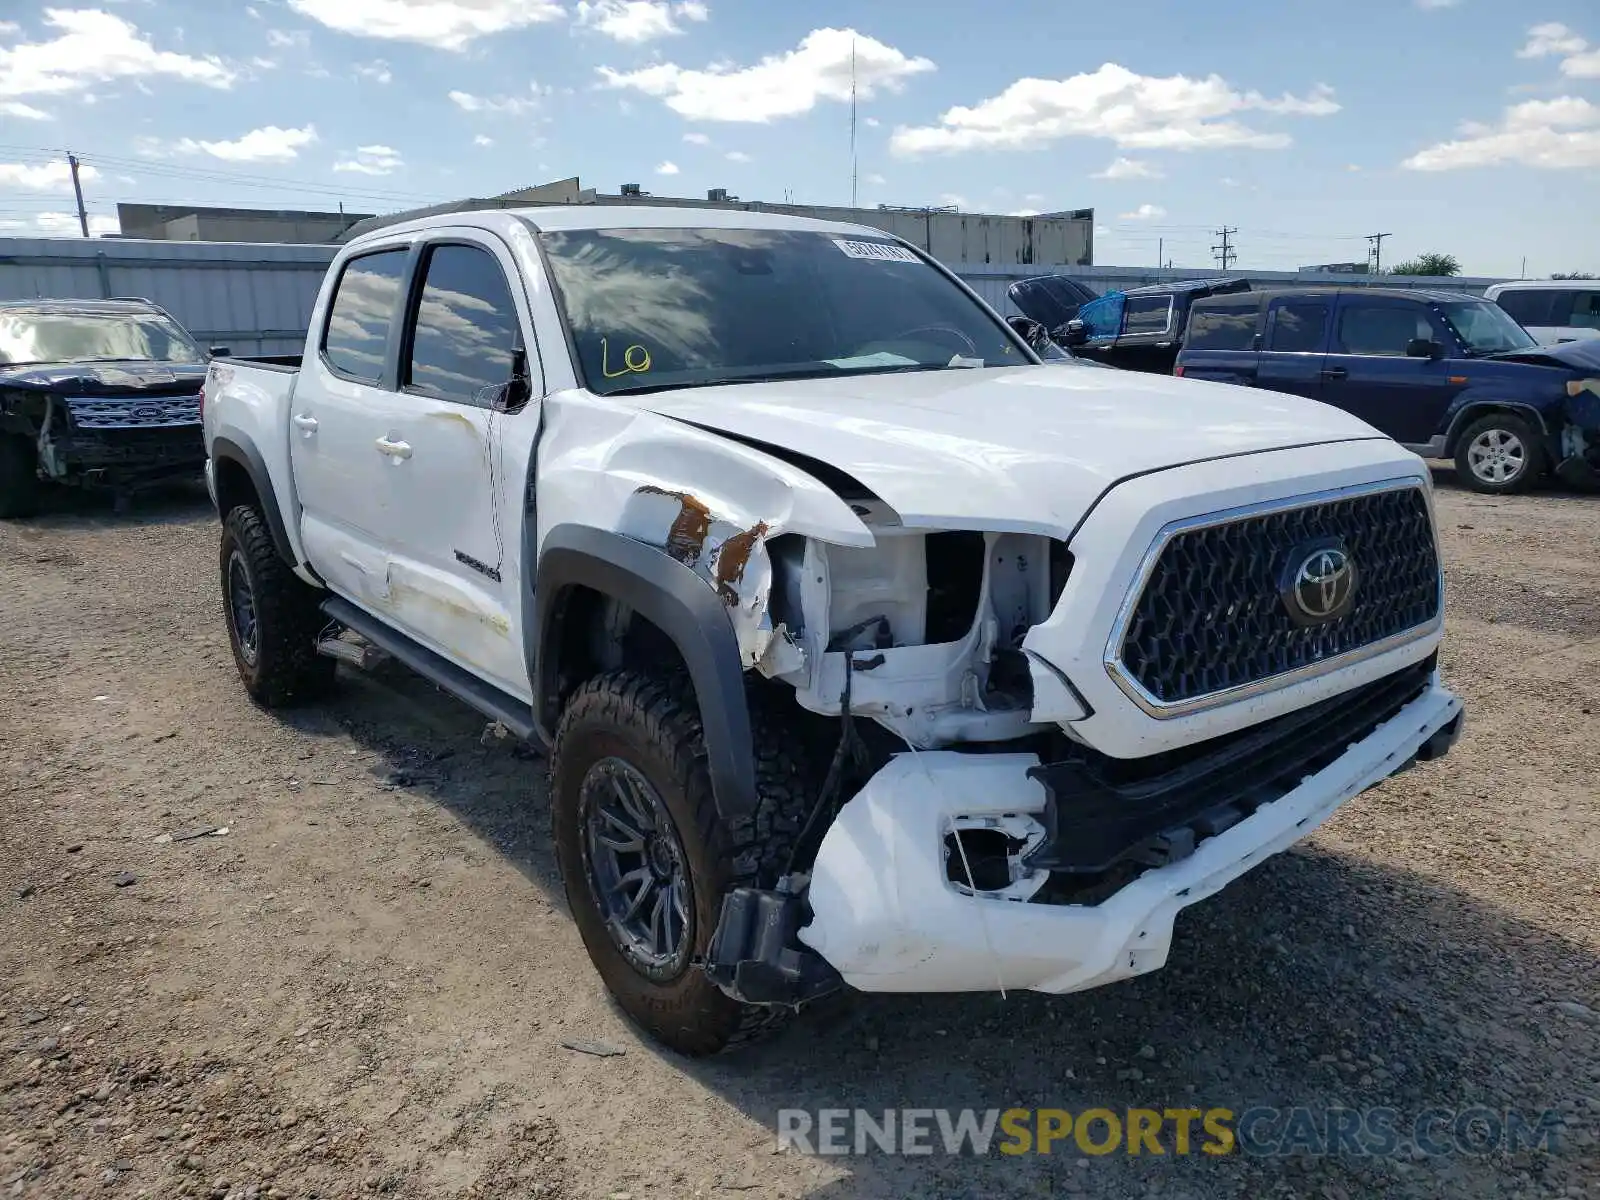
195	223
1048	239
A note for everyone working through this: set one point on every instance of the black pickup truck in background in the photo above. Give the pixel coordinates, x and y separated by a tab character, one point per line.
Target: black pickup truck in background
95	393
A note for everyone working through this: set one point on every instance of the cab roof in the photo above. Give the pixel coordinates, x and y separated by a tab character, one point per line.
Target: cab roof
566	218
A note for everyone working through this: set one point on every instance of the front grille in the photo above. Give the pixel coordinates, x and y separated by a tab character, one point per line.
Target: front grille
142	411
1211	617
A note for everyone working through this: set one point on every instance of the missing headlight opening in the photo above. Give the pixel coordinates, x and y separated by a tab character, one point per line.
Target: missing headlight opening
945	610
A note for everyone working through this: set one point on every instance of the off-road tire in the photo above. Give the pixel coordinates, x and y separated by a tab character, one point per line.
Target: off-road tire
1533	454
653	724
287	669
19	477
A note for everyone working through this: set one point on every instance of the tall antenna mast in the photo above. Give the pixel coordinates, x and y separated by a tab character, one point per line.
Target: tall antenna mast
853	163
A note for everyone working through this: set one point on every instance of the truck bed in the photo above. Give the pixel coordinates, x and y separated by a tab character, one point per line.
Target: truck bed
289	363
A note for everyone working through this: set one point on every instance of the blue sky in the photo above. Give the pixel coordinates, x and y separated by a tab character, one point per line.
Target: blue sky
1465	126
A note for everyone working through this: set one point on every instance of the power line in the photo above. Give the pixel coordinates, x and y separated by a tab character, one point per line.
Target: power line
1224	251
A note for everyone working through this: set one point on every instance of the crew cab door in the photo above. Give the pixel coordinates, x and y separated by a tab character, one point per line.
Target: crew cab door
344	402
1368	373
468	419
1295	344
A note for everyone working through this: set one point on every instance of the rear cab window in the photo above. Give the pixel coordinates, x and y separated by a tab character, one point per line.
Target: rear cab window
1298	326
1147	315
1528	306
365	302
1584	312
1222	327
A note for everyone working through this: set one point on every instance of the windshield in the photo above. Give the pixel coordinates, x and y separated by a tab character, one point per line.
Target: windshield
34	337
1487	328
660	308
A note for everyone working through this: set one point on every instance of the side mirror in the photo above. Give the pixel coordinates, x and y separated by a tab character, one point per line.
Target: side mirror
221	352
1424	348
516	391
1073	333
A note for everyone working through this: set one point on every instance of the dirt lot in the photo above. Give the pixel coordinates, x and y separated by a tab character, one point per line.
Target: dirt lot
362	987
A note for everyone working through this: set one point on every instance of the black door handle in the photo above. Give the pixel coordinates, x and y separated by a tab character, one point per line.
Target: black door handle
1335	373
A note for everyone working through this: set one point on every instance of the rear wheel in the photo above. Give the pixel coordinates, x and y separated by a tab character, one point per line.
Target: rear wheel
646	858
1500	453
19	477
273	617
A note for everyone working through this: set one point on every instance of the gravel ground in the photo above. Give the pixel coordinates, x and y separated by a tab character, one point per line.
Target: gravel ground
360	981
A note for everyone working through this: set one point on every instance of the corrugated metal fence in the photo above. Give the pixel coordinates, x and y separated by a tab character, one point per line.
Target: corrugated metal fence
257	299
254	299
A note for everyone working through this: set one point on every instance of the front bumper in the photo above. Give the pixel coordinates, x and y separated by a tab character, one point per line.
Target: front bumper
887	918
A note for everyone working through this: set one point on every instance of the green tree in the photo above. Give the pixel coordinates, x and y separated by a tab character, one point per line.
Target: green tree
1428	264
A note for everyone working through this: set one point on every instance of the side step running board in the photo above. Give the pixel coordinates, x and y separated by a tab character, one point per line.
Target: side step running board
491	701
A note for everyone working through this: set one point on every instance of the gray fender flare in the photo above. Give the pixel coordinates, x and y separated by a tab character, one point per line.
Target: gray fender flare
683	606
240	450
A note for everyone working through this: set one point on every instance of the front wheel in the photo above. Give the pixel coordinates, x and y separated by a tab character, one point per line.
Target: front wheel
273	617
646	858
1500	454
19	477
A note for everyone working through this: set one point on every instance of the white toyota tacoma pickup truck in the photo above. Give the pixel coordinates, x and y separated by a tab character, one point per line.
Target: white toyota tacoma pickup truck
871	650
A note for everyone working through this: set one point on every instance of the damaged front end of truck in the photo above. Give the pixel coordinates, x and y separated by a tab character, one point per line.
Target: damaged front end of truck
1032	761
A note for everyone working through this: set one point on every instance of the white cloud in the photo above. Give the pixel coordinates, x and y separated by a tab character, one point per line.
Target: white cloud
10	27
26	112
1034	197
267	144
514	105
1435	5
636	21
288	37
95	47
1563	133
780	85
1228	181
377	70
1145	212
1026	212
482	140
876	180
52	176
1579	60
871	122
697	139
1129	168
667	168
67	223
451	24
372	160
738	156
1137	112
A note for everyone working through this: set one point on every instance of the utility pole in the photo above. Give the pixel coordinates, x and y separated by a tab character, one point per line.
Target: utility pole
83	217
853	159
1376	255
1161	252
1224	251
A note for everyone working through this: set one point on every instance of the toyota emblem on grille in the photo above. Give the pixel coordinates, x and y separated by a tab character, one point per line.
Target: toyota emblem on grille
1319	582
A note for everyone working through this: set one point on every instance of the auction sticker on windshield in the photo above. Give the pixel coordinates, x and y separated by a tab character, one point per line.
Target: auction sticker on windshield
879	251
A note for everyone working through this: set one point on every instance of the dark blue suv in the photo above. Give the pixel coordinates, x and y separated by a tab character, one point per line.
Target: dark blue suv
1445	374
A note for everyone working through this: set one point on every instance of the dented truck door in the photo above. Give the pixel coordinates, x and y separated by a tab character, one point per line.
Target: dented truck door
468	420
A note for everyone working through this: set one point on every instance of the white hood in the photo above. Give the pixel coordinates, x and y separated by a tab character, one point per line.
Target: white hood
1027	449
